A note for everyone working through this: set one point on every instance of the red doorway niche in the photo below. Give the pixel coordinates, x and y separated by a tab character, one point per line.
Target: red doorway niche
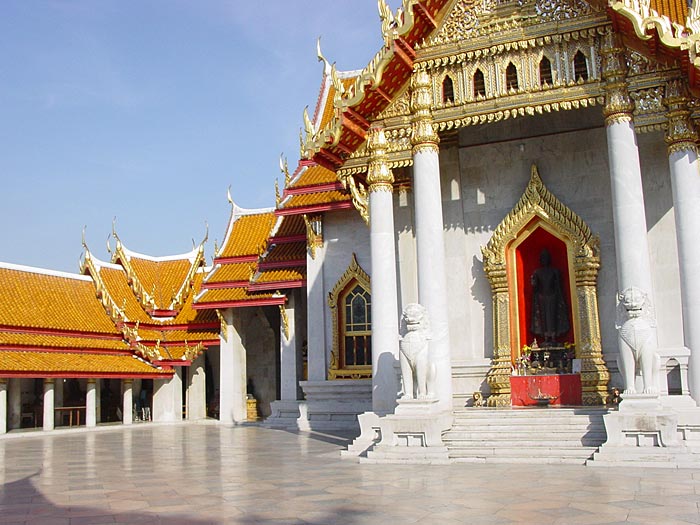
527	260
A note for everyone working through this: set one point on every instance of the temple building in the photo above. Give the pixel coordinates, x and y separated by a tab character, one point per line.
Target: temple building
498	212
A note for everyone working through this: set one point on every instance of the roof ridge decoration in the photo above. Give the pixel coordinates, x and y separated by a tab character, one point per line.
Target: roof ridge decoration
116	313
393	26
122	255
237	212
43	271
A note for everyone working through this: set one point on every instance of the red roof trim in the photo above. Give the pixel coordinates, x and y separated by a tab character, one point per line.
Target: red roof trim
288	239
225	284
173	362
174	327
318	188
235	259
63	350
270	301
85	375
316	208
272	265
65	333
162	313
278	285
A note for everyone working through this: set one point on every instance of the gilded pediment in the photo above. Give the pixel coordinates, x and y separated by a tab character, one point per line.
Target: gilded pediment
468	19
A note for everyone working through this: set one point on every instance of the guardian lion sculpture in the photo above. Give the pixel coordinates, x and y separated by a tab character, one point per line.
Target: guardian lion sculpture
417	372
638	351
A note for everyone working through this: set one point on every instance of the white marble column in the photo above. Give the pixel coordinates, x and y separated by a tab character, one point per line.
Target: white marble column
681	138
233	374
289	349
48	404
167	398
629	218
127	401
3	405
196	390
317	361
15	402
385	312
91	403
430	244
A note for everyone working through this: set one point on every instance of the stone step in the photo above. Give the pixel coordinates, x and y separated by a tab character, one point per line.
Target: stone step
516	443
524	451
523	460
554	426
471	413
532	435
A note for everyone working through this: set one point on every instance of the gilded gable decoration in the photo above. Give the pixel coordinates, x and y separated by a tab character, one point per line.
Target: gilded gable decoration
538	206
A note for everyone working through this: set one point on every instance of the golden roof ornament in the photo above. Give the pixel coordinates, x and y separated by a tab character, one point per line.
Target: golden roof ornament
379	175
278	198
284	168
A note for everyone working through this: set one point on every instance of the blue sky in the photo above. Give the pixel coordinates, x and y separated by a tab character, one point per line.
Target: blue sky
147	110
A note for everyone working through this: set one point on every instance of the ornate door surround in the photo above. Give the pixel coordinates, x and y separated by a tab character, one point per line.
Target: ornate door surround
539	208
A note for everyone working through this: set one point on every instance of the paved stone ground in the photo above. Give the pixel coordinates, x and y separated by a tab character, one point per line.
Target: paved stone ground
203	474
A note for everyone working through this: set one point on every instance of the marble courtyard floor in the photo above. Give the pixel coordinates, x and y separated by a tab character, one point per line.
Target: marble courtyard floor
203	474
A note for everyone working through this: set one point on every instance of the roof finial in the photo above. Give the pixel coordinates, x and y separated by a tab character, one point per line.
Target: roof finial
321	58
83	237
284	168
206	233
308	125
278	198
228	195
302	150
109	248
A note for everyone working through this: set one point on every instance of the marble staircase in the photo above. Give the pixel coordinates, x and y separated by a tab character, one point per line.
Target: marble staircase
525	435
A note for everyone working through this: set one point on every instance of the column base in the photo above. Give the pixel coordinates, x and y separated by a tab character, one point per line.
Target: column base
413	434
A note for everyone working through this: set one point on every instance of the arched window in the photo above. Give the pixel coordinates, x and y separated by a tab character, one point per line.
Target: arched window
479	84
511	77
356	327
351	314
580	67
448	90
545	72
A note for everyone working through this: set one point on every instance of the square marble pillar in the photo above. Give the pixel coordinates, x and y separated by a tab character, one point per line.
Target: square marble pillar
167	398
233	375
3	406
48	404
316	323
290	350
196	390
14	401
127	401
91	403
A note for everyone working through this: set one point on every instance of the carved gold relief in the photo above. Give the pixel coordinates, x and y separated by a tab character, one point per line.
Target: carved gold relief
537	203
314	233
336	371
285	321
618	104
379	175
680	134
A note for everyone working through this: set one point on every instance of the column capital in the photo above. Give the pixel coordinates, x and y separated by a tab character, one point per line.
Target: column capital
680	133
379	175
618	104
423	134
49	380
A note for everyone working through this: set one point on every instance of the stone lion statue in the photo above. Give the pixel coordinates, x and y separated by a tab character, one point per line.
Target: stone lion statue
417	372
638	351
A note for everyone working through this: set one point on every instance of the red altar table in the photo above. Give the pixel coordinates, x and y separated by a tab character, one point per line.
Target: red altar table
562	389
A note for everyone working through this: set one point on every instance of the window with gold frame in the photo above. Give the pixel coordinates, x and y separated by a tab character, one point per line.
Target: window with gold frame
350	303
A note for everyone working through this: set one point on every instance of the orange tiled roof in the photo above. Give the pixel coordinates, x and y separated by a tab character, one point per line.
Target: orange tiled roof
60	341
281	274
291	225
30	298
248	234
293	251
310	199
230	294
231	272
188	315
165	277
314	175
675	10
192	336
93	364
115	280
